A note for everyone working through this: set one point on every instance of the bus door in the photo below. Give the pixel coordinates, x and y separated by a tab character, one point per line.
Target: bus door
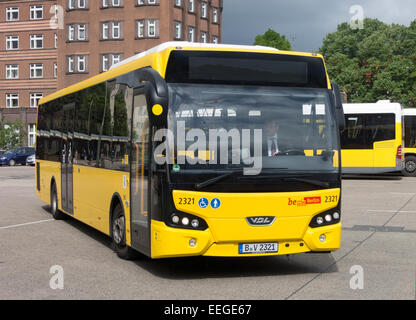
382	134
66	159
139	174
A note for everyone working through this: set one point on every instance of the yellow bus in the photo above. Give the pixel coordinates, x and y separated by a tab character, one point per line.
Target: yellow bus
373	137
124	152
409	122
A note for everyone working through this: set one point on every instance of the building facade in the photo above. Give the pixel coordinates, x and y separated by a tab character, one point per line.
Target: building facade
100	33
28	60
47	45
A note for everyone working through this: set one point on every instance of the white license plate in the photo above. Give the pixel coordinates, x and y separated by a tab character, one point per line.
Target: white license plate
263	247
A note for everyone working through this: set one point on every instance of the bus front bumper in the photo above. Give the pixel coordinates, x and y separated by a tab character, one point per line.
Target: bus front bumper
176	242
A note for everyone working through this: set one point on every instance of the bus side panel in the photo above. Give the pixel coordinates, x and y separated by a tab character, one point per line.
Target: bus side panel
48	170
357	158
92	201
385	152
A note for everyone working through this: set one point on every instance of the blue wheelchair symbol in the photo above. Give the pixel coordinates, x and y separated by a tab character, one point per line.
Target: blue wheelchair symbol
215	203
203	203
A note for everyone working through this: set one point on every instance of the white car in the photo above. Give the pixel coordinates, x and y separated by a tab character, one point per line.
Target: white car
31	160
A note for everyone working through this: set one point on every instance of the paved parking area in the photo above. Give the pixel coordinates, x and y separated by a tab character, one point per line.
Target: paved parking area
378	242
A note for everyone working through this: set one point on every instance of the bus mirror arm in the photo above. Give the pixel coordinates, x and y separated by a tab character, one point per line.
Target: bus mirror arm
156	94
338	106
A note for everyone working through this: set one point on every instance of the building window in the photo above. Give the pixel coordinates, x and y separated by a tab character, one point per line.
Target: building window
215	15
115	30
71	66
151	28
203	37
34	99
81	32
204	6
71	32
12	71
151	1
178	3
105	64
105	28
214	39
77	4
36	41
116	58
81	63
77	64
191	34
12	14
56	41
55	70
36	70
178	30
191	6
12	42
140	29
36	12
116	3
12	100
82	4
31	130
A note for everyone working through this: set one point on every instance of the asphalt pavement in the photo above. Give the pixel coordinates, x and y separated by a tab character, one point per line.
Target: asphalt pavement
377	259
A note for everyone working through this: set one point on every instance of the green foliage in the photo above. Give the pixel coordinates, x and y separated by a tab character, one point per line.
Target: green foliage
273	39
11	134
374	63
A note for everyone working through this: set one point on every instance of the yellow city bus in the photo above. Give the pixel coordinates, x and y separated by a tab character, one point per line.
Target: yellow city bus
409	123
110	152
373	137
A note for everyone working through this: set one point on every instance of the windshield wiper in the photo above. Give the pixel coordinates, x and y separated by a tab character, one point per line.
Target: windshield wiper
314	182
211	181
206	183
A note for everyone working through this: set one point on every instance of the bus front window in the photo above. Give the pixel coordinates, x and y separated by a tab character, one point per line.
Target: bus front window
219	127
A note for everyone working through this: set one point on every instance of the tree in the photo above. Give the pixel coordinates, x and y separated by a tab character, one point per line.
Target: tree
11	134
374	63
273	39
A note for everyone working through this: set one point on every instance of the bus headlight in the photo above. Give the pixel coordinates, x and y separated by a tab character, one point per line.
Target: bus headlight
186	221
326	218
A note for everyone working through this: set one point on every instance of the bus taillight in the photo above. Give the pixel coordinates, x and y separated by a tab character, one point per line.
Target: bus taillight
399	152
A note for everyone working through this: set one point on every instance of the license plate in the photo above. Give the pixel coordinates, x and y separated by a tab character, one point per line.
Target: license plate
263	247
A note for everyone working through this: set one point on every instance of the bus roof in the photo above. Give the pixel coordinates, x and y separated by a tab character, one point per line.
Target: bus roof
409	111
157	58
382	106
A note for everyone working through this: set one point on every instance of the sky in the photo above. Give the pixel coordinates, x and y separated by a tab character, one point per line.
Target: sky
305	23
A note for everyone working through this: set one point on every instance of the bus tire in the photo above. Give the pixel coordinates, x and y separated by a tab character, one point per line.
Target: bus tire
409	169
118	234
56	213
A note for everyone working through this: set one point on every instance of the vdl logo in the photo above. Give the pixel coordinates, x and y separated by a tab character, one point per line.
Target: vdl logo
260	221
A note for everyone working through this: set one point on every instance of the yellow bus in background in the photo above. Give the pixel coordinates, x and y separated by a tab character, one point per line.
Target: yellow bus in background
373	138
99	157
409	122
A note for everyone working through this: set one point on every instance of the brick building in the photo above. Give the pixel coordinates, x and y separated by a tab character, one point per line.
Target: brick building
46	45
99	33
28	58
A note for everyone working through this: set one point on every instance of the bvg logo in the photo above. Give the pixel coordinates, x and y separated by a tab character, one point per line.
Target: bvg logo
260	221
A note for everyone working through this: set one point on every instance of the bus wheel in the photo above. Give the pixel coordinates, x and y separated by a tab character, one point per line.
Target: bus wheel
56	213
410	166
118	234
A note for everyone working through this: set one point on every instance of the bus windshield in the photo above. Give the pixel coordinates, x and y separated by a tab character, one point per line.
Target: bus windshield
220	127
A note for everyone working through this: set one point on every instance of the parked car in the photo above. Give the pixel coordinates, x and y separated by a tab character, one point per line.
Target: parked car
16	156
30	161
